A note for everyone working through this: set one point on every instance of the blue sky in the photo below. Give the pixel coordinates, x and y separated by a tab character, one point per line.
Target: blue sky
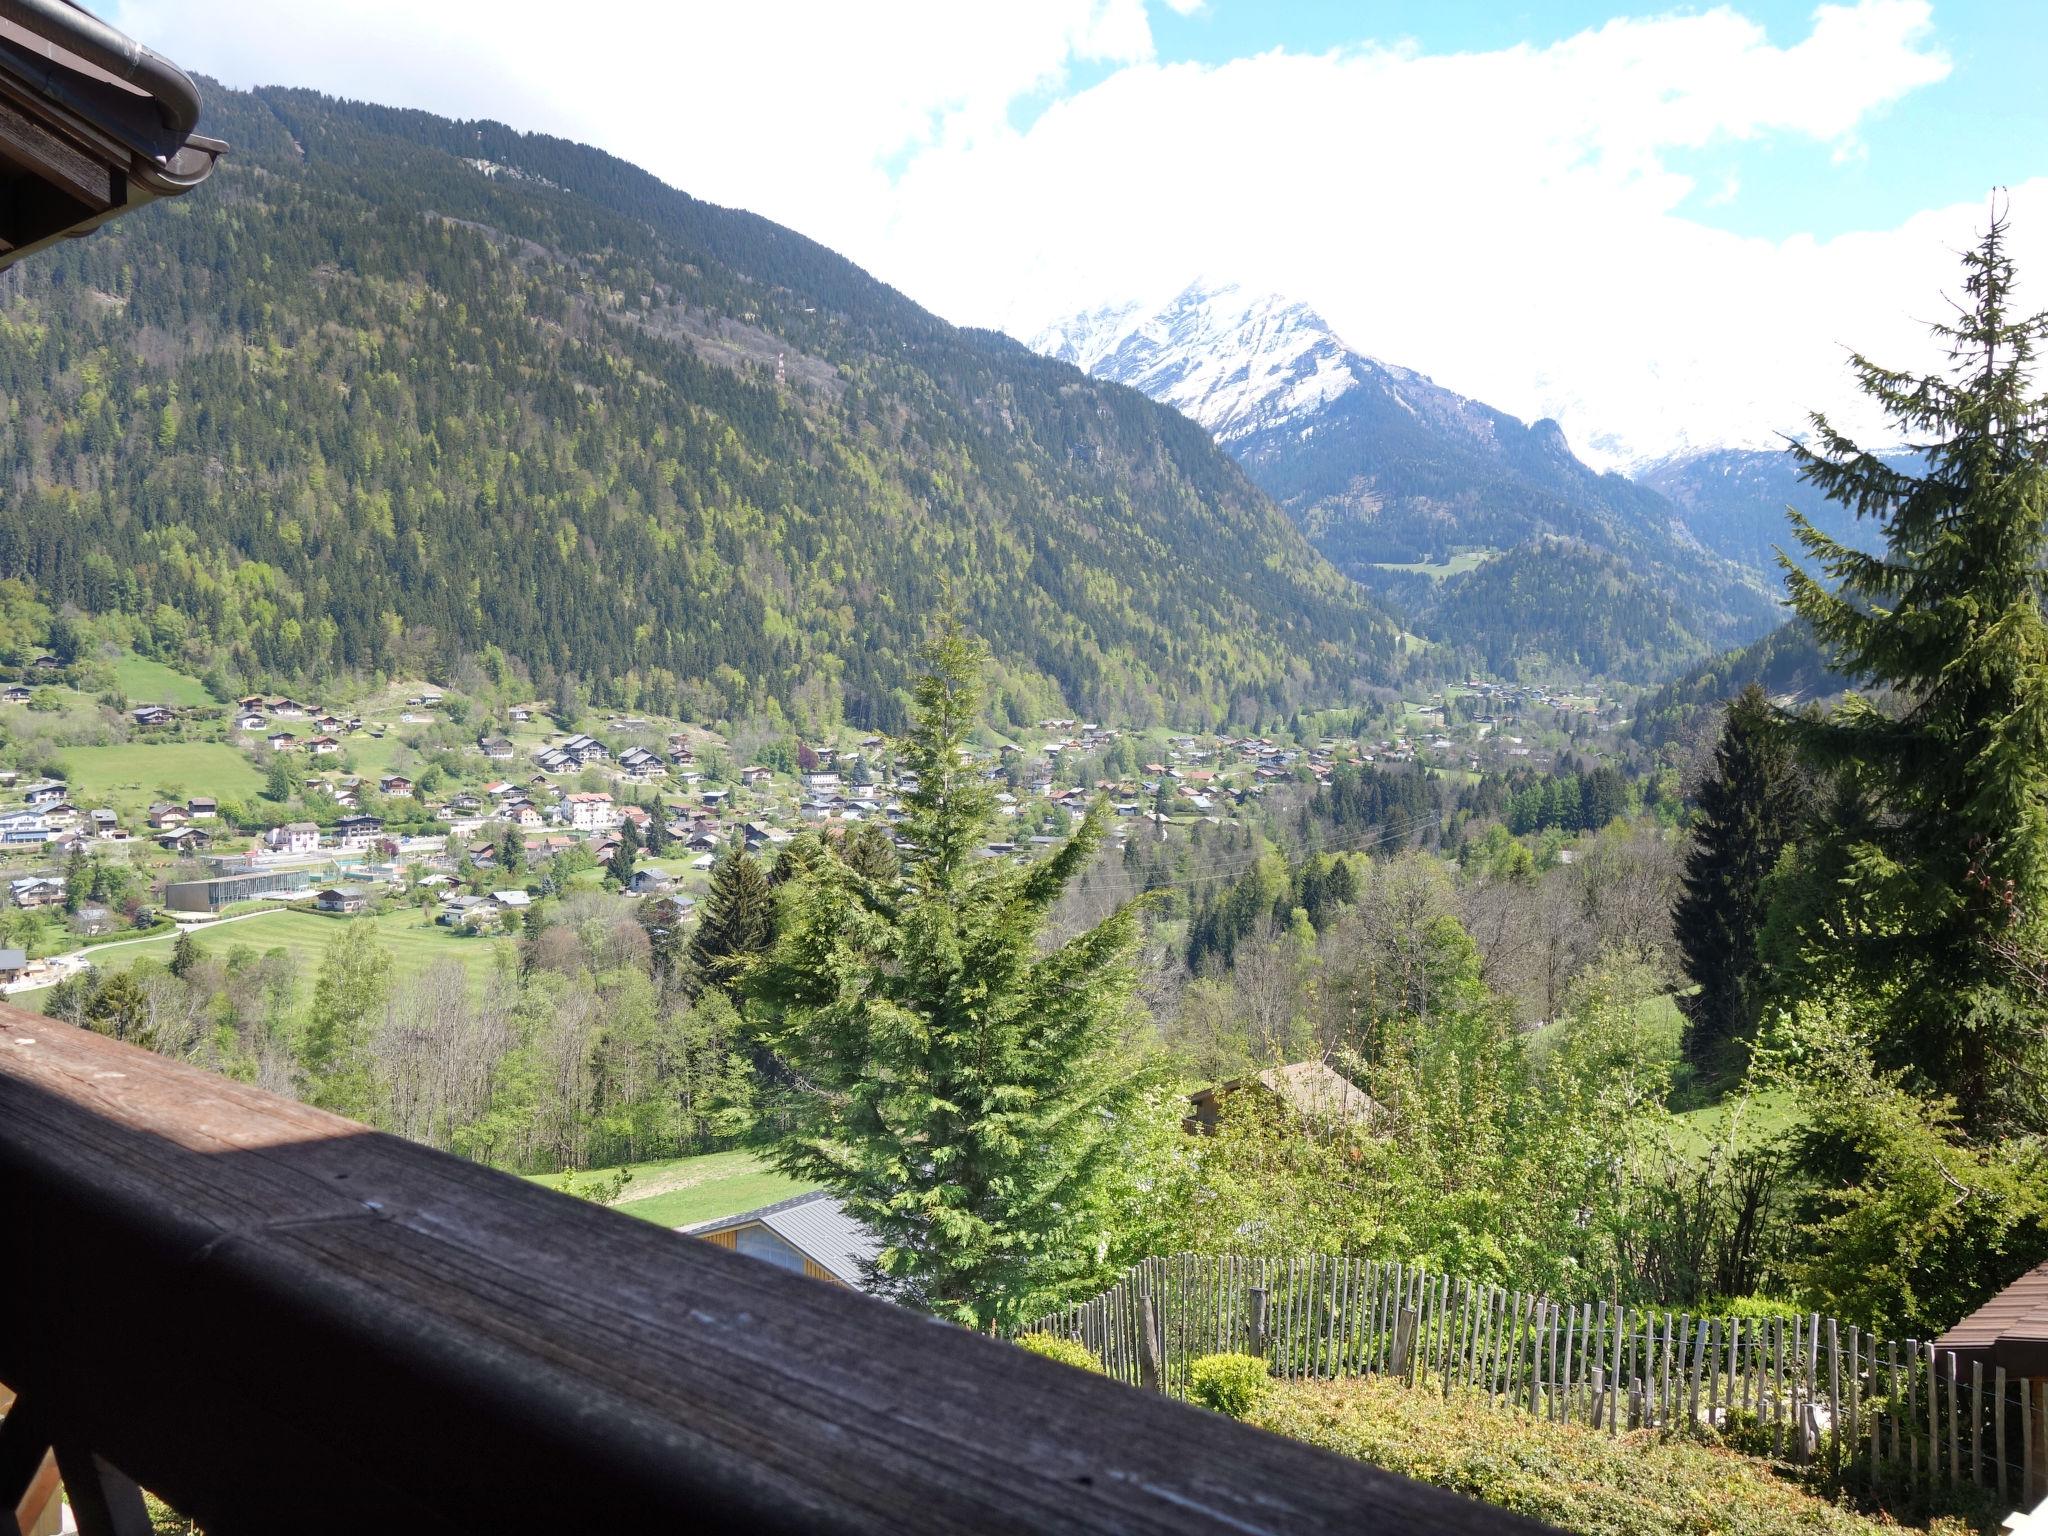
1987	124
1661	225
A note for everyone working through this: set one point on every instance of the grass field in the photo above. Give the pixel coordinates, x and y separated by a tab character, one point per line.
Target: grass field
143	681
1748	1119
687	1190
413	945
1464	560
130	776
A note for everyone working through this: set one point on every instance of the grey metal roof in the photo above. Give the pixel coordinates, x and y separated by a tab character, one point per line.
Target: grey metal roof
818	1227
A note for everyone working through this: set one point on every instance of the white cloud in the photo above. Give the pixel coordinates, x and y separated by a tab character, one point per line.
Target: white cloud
793	108
1507	221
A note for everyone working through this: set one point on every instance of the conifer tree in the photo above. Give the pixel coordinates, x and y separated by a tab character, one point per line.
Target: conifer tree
871	854
1748	808
738	921
1945	878
961	1086
659	839
619	866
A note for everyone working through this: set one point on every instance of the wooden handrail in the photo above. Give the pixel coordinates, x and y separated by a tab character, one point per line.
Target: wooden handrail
281	1320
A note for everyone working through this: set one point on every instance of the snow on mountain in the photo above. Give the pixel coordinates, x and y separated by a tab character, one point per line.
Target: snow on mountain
1387	471
1237	362
1245	364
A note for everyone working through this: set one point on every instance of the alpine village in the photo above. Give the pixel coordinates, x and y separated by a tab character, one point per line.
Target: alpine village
647	888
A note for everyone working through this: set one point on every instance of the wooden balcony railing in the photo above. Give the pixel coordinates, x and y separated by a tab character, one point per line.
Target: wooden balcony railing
279	1320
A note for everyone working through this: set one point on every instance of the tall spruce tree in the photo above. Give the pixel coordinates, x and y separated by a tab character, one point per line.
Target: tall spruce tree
738	922
1943	894
1749	808
962	1086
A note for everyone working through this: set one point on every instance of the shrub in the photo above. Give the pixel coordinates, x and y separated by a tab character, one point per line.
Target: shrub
1067	1351
1232	1384
1756	1307
1569	1475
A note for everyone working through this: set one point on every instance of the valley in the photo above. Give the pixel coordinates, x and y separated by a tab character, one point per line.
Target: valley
1185	846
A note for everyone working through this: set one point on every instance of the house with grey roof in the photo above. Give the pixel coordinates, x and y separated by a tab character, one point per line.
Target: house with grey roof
811	1234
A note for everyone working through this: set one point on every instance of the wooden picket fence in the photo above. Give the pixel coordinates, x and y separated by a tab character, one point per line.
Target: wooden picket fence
1850	1404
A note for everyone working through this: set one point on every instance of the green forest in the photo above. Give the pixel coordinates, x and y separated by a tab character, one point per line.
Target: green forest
363	409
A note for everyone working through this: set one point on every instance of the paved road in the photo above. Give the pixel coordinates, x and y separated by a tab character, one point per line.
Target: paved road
71	963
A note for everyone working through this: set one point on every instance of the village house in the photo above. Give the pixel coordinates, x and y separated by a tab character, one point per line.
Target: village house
498	749
810	1234
36	891
203	807
18	693
1313	1091
323	746
358	832
755	774
152	716
664	912
589	811
639	763
185	840
341	899
293	837
282	741
584	750
45	793
394	784
458	910
164	814
23	828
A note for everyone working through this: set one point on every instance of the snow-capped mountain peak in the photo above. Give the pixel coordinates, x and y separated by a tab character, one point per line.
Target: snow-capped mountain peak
1239	362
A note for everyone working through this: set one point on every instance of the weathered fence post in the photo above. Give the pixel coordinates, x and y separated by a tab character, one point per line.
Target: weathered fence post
1149	1374
1404	1342
2034	1423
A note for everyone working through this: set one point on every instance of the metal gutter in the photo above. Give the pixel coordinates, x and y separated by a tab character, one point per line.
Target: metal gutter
76	30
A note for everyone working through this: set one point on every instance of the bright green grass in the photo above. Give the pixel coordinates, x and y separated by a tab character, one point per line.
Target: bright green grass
130	776
1748	1119
412	944
143	681
1464	560
683	1191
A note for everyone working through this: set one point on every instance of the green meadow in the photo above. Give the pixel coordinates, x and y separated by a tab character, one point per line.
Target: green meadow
683	1191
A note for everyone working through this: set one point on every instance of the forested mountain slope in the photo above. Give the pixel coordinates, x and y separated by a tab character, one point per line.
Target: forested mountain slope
1788	664
1733	501
394	389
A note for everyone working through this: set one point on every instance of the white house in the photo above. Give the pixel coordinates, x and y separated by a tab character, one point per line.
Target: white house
293	837
591	811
